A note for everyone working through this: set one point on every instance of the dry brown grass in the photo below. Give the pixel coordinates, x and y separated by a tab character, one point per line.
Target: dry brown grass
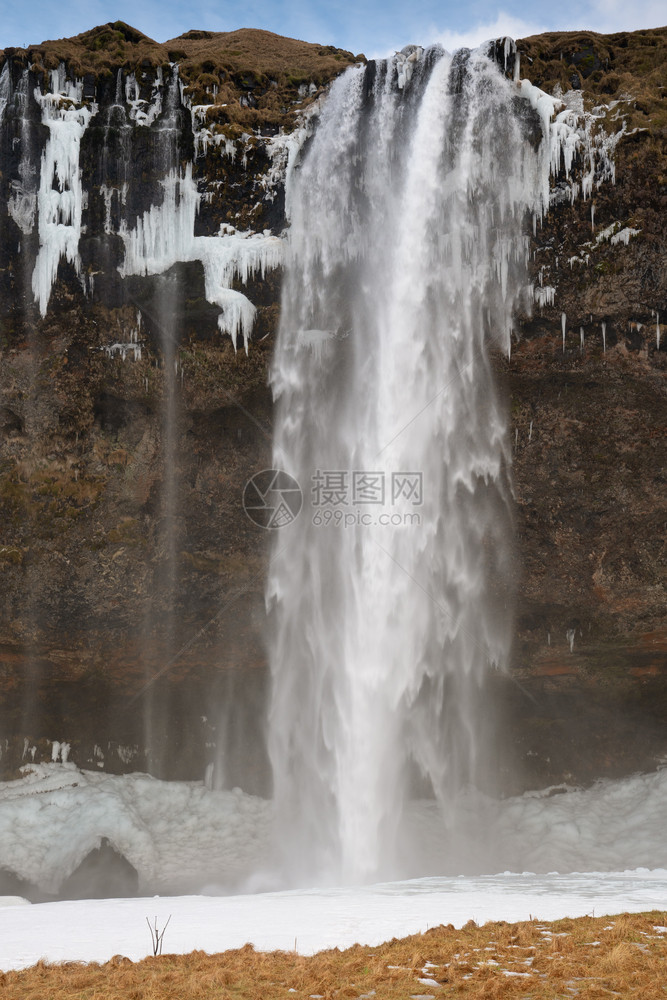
628	63
218	67
588	957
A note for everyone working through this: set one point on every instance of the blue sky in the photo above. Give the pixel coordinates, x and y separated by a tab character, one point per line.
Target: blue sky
375	27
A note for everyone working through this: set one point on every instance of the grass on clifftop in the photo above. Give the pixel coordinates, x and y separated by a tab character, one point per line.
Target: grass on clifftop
217	67
592	958
629	64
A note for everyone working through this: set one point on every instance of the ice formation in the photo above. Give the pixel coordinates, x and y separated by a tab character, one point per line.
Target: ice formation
58	200
60	196
544	295
5	89
175	834
577	139
164	235
624	235
22	204
144	112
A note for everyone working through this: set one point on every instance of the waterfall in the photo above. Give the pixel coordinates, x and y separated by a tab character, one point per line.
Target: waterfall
391	593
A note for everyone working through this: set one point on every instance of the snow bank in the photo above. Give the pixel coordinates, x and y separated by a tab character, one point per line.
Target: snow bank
182	836
169	831
308	921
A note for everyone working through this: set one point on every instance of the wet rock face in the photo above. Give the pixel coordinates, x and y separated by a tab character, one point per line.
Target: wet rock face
133	613
130	424
589	408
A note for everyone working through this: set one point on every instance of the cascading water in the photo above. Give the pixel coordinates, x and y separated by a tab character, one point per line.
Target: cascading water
391	592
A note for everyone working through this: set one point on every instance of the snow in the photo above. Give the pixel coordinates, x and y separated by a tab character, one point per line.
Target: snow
184	837
310	920
52	818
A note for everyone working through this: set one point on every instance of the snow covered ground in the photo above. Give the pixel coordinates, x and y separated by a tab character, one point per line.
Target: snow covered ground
182	837
309	920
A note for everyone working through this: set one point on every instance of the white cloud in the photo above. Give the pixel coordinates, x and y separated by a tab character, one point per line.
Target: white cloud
504	24
608	16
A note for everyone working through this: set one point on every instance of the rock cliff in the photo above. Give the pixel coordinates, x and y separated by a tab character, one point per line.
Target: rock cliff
141	223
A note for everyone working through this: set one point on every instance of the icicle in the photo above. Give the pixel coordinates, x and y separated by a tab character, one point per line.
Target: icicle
570	634
165	235
624	236
530	432
592	216
604	337
563	322
60	197
581	337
